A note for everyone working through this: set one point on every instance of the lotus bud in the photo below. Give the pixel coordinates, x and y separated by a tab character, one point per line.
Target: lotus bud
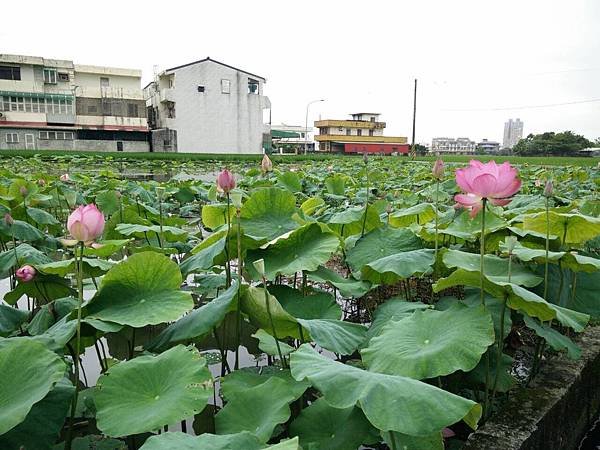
365	158
23	190
8	219
510	242
25	273
266	164
260	267
118	194
225	181
389	208
86	223
548	189
41	182
64	177
438	169
538	182
236	199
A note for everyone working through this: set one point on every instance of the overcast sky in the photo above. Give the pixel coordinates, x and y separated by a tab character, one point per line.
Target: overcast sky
478	62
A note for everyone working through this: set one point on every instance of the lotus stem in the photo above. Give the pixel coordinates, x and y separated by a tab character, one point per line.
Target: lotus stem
362	233
283	363
547	250
238	313
79	266
482	251
228	262
160	211
437	196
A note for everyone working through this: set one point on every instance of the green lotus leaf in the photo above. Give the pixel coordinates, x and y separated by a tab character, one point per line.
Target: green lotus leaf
92	267
555	339
142	290
335	335
268	214
271	398
378	244
148	392
106	248
57	335
303	249
24	254
421	214
431	343
253	304
11	319
21	231
348	287
336	184
315	305
479	374
29	371
204	255
392	268
251	377
569	260
350	221
175	440
44	288
41	217
309	206
585	298
327	428
406	442
108	202
199	322
170	234
290	181
267	344
419	408
393	309
214	216
41	427
569	227
463	227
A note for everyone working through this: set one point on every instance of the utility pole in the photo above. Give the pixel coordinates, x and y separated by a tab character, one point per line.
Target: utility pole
412	145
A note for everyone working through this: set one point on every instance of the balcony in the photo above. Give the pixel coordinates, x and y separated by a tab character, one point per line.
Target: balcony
167	95
60	119
349	124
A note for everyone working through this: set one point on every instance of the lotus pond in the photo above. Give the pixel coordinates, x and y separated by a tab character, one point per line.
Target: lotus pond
335	304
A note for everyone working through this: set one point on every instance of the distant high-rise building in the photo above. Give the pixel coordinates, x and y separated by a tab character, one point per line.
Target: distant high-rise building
513	132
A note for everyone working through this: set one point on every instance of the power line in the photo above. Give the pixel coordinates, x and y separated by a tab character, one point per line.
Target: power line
549	105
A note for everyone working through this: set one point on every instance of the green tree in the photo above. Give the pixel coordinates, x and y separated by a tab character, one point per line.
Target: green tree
550	143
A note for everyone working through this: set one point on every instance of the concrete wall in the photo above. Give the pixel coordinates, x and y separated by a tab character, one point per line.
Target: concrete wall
214	122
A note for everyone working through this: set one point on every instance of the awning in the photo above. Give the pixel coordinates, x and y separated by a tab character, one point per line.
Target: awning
36	95
283	134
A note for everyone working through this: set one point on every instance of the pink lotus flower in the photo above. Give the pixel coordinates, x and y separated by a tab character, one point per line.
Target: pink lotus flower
86	223
64	177
225	181
490	181
25	273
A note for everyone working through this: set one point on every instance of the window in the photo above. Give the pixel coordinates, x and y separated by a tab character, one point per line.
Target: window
348	131
92	109
57	135
200	88
63	77
225	86
252	86
132	110
12	138
10	73
104	82
50	76
372	118
370	132
359	132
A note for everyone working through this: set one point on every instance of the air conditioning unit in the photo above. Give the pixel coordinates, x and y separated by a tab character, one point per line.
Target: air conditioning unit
2	116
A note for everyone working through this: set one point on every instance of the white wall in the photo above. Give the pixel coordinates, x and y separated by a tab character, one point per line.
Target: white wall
213	122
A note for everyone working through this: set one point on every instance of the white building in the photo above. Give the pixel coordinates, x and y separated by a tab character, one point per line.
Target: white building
513	133
208	107
461	145
55	104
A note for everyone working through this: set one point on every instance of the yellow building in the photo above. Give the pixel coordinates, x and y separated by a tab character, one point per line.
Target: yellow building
362	134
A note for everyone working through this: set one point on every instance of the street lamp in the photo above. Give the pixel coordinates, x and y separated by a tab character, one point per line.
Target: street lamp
306	125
